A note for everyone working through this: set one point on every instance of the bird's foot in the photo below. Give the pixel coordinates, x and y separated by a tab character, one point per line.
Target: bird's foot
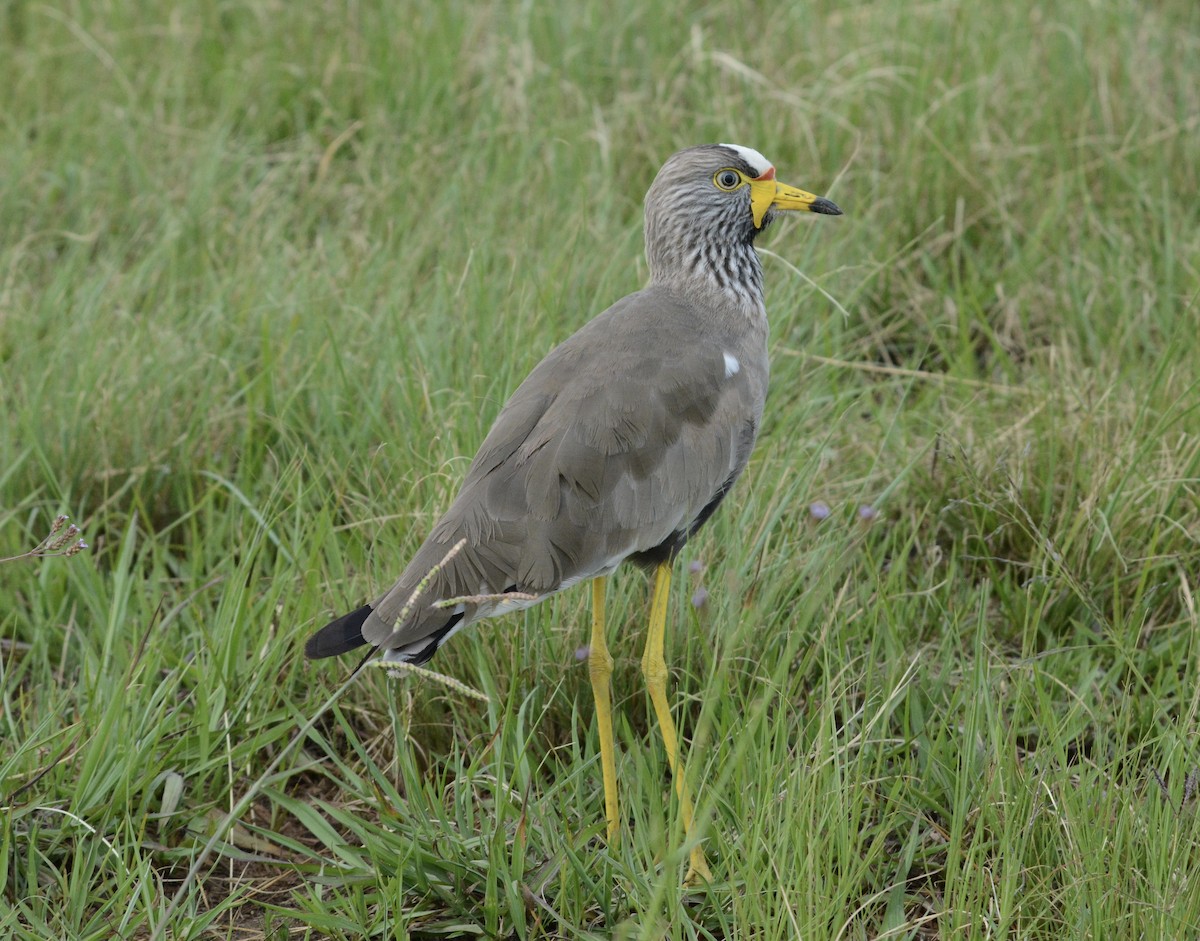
698	873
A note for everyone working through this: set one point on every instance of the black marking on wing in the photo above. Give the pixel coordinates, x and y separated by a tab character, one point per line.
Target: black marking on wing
670	547
425	654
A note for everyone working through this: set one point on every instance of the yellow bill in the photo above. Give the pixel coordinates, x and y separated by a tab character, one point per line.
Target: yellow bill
768	193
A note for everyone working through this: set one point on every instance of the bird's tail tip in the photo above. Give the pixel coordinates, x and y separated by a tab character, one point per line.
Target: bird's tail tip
339	636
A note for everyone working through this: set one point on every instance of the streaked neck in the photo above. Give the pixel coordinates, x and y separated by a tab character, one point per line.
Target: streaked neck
727	274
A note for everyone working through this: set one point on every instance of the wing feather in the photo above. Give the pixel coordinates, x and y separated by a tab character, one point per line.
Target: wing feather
615	443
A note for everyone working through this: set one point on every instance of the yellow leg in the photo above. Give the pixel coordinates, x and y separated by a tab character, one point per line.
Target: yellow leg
654	668
600	666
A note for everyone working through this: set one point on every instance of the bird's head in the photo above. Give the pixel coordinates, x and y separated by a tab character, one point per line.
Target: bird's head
706	206
727	188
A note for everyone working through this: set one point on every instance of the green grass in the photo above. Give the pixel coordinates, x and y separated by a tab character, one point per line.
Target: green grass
267	272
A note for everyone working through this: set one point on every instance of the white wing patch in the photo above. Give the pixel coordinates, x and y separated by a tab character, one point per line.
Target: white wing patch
731	365
757	161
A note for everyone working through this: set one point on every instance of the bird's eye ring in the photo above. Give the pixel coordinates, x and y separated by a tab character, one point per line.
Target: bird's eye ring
727	179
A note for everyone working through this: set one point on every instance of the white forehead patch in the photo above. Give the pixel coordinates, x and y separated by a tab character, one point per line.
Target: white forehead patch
731	365
757	161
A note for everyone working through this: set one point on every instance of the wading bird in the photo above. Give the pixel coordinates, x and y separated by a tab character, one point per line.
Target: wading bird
618	446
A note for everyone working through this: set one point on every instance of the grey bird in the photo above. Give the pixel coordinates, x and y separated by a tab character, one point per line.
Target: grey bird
618	446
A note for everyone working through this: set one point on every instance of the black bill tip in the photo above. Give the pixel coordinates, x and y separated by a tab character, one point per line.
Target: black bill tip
826	207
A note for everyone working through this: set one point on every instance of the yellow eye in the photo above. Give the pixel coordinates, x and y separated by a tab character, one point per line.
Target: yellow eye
727	179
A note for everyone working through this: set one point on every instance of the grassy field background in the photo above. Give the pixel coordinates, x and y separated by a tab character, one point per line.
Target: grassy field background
269	269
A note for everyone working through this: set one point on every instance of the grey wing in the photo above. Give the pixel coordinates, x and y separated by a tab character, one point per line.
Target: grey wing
595	457
624	454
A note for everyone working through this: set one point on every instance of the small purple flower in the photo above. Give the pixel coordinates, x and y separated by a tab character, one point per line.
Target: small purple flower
700	598
819	510
582	653
695	566
866	512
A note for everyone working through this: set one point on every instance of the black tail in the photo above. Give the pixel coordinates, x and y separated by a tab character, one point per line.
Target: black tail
338	637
